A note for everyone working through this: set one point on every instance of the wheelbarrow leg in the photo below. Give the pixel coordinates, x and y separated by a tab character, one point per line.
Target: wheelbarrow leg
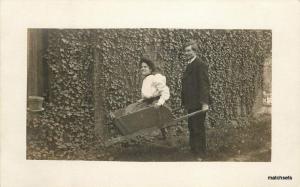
163	131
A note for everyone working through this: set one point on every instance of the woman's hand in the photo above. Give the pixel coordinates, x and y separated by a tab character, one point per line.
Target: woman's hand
157	105
140	100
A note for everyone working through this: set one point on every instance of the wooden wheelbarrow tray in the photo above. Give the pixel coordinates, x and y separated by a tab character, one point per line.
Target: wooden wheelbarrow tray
132	122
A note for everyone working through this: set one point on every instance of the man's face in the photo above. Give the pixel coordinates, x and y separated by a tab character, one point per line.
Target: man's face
189	53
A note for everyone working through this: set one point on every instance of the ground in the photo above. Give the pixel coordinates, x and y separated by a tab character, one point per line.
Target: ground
242	143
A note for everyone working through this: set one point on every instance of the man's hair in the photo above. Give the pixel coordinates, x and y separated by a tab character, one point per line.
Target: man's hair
192	43
149	63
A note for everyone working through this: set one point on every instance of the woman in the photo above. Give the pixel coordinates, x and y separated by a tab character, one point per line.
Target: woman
154	88
154	91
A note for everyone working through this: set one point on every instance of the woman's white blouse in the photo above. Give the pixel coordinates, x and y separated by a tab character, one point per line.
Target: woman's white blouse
155	85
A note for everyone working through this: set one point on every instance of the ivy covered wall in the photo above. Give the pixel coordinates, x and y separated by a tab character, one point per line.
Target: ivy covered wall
68	120
96	71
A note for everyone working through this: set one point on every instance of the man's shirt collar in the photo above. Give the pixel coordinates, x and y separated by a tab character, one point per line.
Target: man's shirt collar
190	61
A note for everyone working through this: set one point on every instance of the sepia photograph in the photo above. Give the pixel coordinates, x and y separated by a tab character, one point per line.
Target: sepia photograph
149	94
153	94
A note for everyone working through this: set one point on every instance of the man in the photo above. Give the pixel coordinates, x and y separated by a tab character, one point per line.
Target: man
195	96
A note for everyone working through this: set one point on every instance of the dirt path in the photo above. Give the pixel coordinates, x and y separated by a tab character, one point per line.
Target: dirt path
177	149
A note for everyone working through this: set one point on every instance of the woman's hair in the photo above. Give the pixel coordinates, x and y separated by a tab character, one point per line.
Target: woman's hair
149	63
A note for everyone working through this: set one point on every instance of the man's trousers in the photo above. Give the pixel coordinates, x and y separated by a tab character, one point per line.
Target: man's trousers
197	133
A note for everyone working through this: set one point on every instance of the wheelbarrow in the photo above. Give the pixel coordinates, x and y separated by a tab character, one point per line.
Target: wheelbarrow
138	117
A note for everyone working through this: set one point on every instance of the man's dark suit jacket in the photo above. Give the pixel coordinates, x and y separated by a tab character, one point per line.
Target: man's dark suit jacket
195	85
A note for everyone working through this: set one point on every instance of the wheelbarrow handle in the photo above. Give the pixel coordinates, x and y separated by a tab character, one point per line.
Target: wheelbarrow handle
171	123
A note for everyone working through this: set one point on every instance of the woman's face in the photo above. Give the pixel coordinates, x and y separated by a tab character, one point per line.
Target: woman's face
145	69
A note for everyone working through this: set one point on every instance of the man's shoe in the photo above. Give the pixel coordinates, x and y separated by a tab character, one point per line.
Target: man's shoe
199	156
199	159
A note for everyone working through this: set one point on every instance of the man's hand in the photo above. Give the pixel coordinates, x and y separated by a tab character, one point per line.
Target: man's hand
111	115
205	107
